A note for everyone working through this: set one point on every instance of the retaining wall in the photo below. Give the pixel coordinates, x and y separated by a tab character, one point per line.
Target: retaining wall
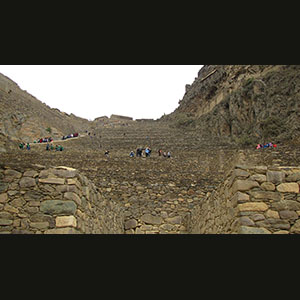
55	200
252	200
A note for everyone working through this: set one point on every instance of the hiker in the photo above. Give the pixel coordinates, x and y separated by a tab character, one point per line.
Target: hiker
139	152
131	154
28	146
169	154
21	146
159	152
258	146
147	152
47	147
106	153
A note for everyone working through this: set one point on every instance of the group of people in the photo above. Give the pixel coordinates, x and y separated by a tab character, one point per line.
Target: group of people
164	153
141	152
267	145
22	145
44	140
70	136
51	147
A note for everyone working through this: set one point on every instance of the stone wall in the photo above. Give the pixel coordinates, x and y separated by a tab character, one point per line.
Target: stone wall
252	200
52	201
118	117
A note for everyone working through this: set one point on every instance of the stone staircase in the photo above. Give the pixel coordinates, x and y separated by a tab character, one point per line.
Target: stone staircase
155	187
157	193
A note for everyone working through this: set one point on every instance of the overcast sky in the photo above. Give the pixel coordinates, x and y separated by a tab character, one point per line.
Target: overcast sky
91	91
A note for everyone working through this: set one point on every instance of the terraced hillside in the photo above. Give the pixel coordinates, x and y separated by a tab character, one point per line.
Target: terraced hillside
155	186
224	105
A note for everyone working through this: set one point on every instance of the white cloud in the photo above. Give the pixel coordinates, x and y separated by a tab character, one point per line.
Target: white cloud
91	91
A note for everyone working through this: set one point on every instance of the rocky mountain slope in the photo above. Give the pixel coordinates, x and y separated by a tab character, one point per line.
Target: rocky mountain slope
248	103
245	104
25	118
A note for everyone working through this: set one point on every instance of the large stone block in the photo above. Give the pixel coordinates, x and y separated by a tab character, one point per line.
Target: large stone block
58	207
253	206
3	187
65	230
286	205
268	186
288	214
291	187
12	173
72	196
3	198
5	222
293	177
174	220
272	214
27	182
244	185
52	180
275	176
39	225
66	172
253	230
131	223
150	219
266	195
66	221
258	177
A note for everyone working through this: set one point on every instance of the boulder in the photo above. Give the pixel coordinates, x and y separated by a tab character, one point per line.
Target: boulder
58	207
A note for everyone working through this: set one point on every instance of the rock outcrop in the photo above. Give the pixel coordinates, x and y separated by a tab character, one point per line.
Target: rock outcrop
248	103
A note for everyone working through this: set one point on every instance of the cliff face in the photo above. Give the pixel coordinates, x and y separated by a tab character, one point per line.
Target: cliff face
249	103
25	118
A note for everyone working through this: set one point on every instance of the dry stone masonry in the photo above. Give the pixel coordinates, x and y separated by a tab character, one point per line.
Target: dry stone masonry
252	200
53	201
60	200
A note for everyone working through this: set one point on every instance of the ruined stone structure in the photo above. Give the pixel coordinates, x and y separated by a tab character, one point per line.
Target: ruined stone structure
252	200
210	185
53	201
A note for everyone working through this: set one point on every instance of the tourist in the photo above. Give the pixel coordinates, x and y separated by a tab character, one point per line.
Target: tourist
47	147
28	146
159	152
169	154
139	152
106	153
21	146
147	152
131	154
